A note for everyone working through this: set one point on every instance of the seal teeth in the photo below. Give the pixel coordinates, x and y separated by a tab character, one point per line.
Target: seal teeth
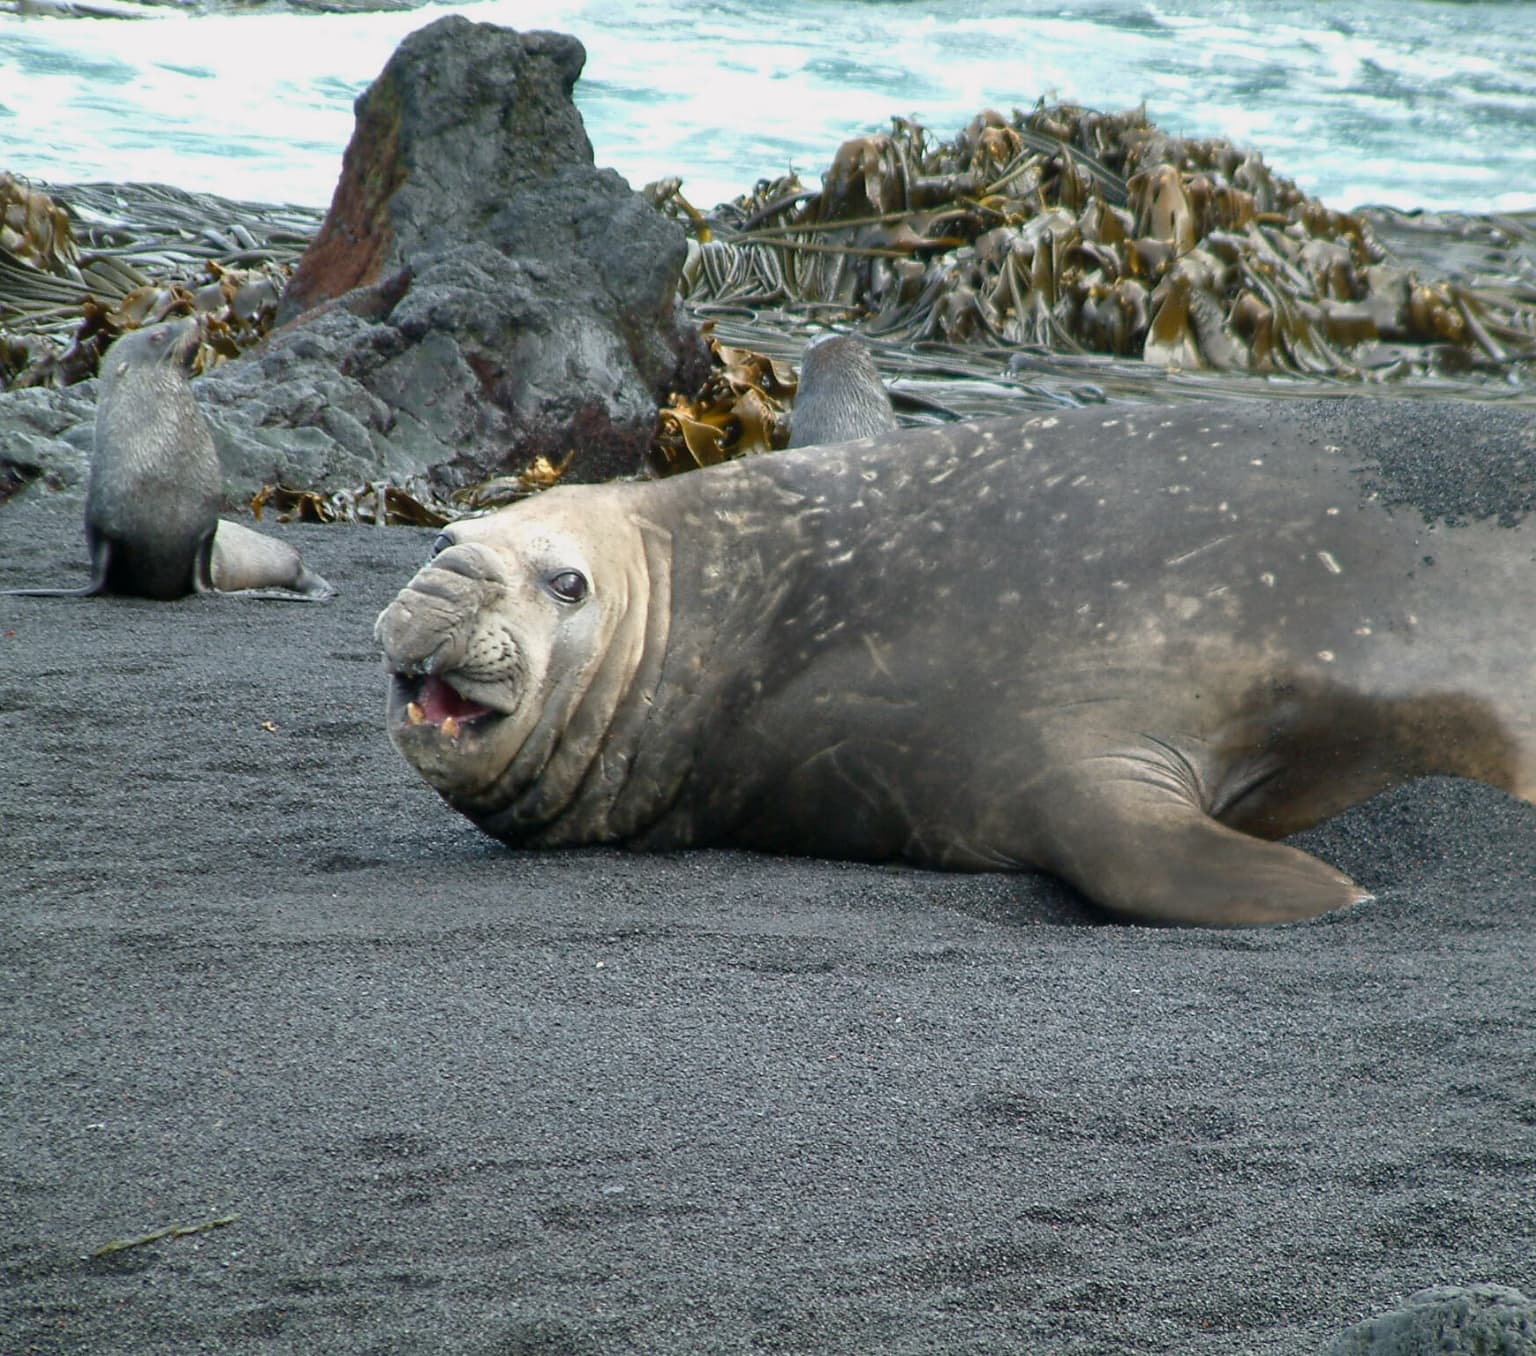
415	714
451	727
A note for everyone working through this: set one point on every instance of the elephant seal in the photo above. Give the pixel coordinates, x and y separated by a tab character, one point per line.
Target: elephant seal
1447	1319
840	396
152	498
1128	646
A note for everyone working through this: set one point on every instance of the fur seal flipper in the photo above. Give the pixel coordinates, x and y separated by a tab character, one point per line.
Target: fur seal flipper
260	566
152	498
840	396
1129	646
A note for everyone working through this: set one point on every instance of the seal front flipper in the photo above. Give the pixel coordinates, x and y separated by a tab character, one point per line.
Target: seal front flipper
1148	853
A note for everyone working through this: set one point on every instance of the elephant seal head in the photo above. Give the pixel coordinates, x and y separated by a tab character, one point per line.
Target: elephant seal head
514	651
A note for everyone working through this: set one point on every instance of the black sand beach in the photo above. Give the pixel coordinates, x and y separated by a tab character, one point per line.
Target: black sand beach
452	1098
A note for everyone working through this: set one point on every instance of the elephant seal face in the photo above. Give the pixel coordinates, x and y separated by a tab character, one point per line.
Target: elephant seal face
492	647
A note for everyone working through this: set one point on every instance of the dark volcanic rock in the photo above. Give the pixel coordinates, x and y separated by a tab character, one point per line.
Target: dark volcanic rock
463	118
528	298
479	295
46	438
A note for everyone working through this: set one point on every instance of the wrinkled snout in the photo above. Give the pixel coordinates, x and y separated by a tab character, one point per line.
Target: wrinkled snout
429	626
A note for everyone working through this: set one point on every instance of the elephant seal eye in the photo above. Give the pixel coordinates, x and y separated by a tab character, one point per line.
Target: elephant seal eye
440	543
569	586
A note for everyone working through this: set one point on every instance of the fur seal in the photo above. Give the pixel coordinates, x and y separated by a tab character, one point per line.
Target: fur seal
152	498
1127	646
840	396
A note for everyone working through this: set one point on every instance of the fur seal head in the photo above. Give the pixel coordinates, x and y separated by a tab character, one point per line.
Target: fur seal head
840	396
171	344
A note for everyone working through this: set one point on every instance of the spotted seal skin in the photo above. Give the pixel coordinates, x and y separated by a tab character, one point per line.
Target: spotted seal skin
840	396
1128	646
152	498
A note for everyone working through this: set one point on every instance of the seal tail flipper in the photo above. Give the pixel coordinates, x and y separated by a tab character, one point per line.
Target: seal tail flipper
101	550
1164	860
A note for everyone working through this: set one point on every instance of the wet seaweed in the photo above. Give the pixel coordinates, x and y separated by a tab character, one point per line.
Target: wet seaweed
83	264
1067	231
1056	257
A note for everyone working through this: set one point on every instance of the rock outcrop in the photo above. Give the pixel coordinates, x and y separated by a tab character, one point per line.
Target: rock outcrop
480	295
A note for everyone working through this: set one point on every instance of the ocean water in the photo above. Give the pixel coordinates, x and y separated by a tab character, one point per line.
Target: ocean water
1401	102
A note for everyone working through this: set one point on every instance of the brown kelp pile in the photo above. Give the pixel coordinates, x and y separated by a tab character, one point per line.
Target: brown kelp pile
416	503
1055	257
742	408
81	265
377	504
1073	231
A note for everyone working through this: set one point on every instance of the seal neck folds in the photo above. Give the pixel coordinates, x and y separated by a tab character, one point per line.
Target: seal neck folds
578	775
